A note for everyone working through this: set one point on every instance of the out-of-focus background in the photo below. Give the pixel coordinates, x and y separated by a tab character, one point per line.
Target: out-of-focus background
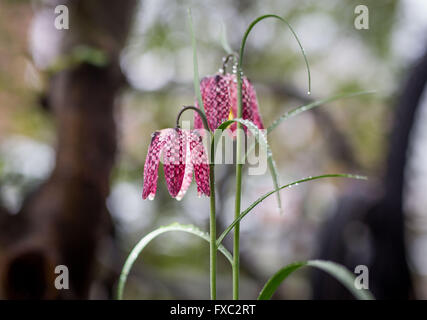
78	106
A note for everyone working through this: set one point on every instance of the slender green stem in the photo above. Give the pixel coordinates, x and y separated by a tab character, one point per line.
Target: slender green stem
225	61
239	162
252	25
212	231
236	240
140	246
212	217
200	112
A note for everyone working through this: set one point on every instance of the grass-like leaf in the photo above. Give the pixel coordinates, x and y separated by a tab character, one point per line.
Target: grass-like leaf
259	19
196	80
271	164
224	40
262	198
151	236
339	272
307	107
262	140
312	105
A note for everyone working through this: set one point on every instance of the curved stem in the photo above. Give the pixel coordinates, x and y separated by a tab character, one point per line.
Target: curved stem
226	59
200	112
212	219
242	46
136	251
236	242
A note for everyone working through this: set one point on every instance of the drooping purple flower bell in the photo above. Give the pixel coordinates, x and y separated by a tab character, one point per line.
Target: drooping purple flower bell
219	95
183	153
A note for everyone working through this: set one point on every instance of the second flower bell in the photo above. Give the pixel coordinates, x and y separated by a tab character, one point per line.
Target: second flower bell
219	96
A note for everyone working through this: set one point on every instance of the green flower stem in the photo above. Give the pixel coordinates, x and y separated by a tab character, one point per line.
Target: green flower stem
212	231
200	112
239	163
142	244
236	240
212	217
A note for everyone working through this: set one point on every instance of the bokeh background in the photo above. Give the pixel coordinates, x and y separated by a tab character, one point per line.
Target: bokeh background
78	106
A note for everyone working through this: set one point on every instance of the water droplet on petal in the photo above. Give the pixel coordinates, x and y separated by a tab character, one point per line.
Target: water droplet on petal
151	196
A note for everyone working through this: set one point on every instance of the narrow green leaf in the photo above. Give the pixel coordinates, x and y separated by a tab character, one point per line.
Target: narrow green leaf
339	272
151	236
262	198
271	165
274	282
196	80
312	105
252	25
275	176
307	107
224	40
262	140
260	137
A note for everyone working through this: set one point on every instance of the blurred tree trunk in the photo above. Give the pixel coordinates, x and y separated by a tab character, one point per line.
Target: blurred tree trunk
63	222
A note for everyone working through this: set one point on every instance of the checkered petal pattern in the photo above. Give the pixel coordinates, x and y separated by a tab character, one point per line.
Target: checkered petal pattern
250	110
216	98
182	153
152	164
219	95
174	161
200	162
188	173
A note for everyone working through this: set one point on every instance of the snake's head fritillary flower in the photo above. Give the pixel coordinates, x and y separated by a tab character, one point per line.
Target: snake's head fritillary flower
183	153
219	95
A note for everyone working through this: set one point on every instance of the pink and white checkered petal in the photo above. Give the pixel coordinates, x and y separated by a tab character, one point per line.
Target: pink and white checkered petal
247	112
200	162
174	154
188	173
151	166
250	104
216	100
233	96
198	123
250	109
204	84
